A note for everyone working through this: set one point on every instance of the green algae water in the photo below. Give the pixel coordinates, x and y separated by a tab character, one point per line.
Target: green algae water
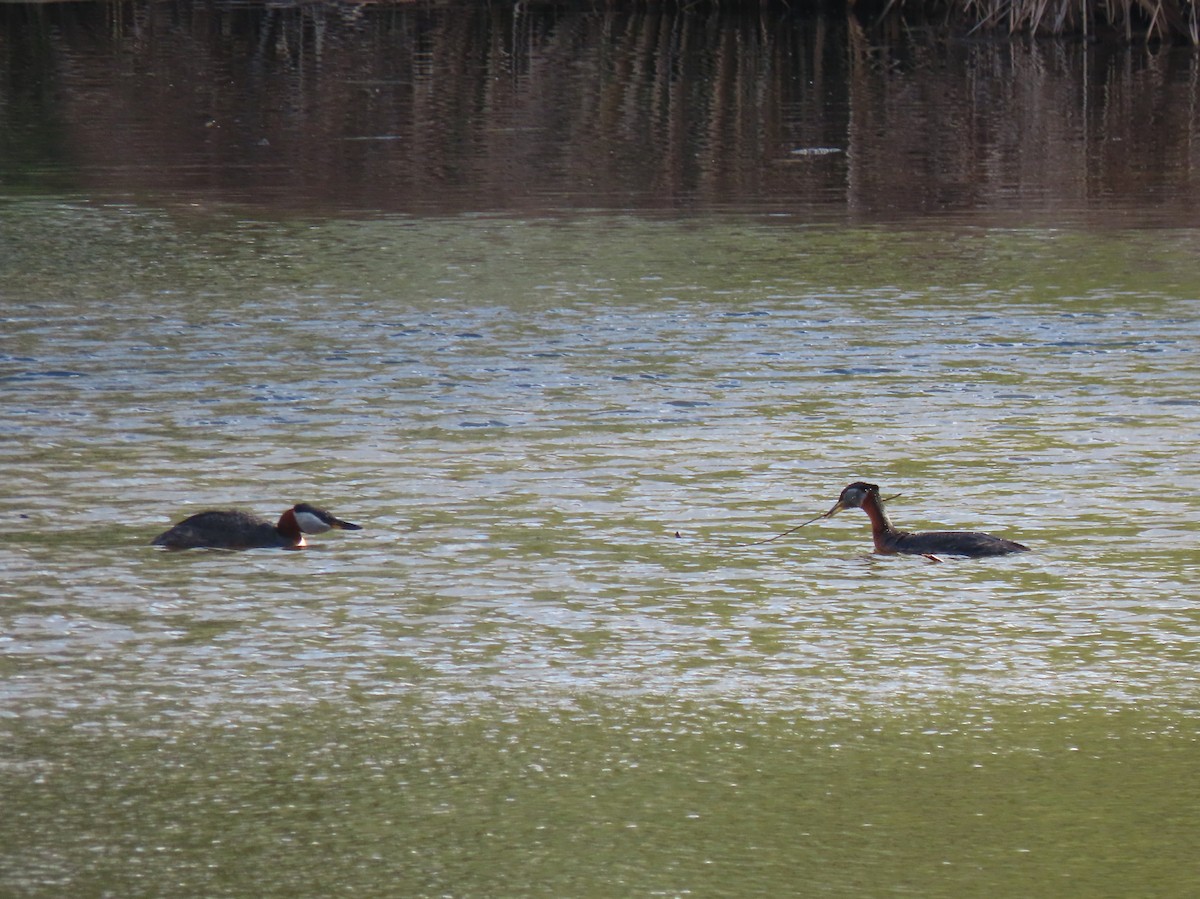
550	665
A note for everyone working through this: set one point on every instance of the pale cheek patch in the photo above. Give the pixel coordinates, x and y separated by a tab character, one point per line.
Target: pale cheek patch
310	524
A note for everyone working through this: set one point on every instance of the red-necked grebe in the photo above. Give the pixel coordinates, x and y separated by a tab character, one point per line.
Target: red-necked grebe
889	540
240	530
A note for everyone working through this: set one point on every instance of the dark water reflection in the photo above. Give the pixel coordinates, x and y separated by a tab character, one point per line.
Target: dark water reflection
402	109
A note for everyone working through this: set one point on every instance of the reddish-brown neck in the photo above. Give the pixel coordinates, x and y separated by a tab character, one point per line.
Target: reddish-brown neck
881	527
289	527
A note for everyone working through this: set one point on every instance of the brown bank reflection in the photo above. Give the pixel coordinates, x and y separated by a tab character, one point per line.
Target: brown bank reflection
434	110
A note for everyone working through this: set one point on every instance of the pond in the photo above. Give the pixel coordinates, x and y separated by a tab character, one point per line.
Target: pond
565	405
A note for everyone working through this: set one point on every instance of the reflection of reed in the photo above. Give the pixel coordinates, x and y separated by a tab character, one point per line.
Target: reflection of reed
1029	127
518	109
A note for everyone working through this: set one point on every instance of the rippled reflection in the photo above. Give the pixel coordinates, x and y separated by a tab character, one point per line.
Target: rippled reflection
462	107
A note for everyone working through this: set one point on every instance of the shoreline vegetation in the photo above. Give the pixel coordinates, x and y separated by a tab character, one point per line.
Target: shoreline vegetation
1108	21
1127	21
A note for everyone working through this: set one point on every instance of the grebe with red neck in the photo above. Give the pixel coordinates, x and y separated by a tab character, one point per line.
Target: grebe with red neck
890	540
232	529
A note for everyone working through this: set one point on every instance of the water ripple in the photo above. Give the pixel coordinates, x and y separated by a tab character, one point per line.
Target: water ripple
557	494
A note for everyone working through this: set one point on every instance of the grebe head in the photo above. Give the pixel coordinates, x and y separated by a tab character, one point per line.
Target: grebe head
312	520
853	497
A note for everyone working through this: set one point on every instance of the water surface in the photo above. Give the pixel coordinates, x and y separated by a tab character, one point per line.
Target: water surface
551	635
567	329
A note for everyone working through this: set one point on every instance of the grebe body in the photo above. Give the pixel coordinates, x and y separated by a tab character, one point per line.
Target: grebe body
890	540
231	529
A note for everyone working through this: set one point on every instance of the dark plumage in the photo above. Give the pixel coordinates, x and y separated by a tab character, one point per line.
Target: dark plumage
888	539
231	529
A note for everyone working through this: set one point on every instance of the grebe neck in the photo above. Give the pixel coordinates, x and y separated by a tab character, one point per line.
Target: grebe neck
289	528
881	525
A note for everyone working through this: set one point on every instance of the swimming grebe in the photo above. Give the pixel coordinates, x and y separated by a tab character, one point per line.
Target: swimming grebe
240	530
888	539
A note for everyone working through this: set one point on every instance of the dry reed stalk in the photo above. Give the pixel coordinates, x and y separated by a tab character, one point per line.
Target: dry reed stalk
1157	20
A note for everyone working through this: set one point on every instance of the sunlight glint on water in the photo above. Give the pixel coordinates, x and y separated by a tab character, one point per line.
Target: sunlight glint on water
523	443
